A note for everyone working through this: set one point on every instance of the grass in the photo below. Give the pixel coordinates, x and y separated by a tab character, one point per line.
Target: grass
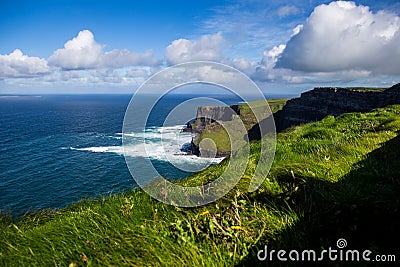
363	89
217	133
337	178
246	110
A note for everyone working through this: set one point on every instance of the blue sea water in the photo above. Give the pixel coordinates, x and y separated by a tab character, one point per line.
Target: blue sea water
58	149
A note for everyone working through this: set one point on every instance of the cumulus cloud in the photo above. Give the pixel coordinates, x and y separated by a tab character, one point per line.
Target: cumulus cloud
265	69
83	52
270	57
343	37
18	65
208	47
288	10
244	65
296	30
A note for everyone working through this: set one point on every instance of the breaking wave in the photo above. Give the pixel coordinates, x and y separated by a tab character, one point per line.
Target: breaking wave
166	143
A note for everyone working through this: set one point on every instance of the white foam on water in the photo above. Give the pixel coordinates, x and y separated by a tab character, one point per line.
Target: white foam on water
160	143
100	149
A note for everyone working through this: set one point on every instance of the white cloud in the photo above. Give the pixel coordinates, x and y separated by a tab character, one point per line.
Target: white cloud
345	37
217	74
251	26
244	65
110	76
264	70
270	57
74	75
121	58
18	65
137	73
296	30
83	52
82	62
117	77
208	47
288	10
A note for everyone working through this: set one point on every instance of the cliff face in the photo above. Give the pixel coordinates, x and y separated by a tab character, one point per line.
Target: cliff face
316	104
206	121
311	106
209	114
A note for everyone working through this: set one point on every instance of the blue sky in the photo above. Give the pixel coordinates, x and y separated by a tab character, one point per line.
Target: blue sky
113	46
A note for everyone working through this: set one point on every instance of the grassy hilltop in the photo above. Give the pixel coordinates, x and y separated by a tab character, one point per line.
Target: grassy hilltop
337	178
219	135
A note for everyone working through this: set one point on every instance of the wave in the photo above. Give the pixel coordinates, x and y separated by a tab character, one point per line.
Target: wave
159	143
101	149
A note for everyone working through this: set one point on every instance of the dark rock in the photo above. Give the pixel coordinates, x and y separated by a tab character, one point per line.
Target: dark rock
194	149
311	106
188	128
207	115
318	103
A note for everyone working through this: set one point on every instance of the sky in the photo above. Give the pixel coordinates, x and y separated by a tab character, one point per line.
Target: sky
285	47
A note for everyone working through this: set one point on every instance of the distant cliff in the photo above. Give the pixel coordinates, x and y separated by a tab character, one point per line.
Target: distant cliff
311	106
206	115
206	123
208	118
318	103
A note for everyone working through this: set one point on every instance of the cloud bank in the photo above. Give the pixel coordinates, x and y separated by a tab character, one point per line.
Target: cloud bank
18	65
83	52
338	42
208	47
343	36
81	61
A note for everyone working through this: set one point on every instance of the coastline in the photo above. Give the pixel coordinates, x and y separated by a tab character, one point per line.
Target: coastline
126	228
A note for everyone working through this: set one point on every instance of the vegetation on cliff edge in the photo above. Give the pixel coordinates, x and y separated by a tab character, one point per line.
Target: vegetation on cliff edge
337	178
220	137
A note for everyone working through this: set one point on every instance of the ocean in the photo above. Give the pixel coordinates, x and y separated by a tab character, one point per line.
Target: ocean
58	149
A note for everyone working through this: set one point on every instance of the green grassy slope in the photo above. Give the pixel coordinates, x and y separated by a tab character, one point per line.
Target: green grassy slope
220	137
338	178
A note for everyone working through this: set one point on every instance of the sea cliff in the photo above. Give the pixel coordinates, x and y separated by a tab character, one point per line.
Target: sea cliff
318	103
313	105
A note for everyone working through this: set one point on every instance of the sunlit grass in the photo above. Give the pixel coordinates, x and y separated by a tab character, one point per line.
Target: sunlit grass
329	179
219	133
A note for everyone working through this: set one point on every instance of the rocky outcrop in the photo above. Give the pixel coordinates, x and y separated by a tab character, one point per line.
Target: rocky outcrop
207	115
316	104
194	148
